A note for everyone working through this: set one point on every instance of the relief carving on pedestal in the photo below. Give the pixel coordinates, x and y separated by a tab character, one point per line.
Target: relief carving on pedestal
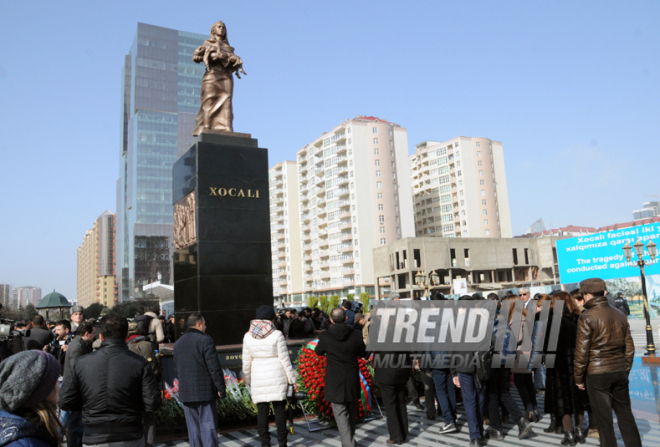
185	222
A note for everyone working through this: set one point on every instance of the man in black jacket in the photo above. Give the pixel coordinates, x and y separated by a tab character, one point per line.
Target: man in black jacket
342	345
201	382
112	387
79	346
39	336
621	304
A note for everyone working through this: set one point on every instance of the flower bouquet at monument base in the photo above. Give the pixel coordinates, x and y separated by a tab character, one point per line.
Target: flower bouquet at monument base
236	406
312	383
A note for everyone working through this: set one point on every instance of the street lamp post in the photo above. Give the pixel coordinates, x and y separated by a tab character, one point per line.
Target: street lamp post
423	281
639	250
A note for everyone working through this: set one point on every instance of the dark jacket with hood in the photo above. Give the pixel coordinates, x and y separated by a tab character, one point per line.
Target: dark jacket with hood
16	431
604	343
112	387
198	368
342	345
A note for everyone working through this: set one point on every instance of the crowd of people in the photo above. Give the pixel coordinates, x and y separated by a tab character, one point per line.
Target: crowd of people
110	375
590	375
85	381
309	322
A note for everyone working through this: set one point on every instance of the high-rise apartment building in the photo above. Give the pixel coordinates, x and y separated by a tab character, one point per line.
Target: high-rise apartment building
285	229
354	195
22	296
96	264
459	189
5	295
160	100
649	209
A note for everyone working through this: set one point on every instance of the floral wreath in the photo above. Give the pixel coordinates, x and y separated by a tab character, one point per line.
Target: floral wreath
312	383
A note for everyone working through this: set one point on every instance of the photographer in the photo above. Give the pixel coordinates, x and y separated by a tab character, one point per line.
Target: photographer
59	346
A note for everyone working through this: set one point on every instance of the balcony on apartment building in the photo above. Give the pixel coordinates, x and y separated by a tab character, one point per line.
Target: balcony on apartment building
344	247
341	192
345	224
345	236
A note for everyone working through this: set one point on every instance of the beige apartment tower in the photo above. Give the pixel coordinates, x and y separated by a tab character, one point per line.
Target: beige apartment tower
353	195
459	189
96	264
285	229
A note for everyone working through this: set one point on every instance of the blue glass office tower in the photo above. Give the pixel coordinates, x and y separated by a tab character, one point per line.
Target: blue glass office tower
160	99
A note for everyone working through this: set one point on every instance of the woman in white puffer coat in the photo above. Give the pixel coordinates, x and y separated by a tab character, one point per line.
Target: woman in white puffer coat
267	370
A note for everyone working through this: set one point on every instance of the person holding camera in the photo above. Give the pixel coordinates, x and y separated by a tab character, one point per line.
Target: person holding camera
267	370
60	344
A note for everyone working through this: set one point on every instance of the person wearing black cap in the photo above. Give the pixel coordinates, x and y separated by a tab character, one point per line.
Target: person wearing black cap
267	370
28	400
621	304
604	353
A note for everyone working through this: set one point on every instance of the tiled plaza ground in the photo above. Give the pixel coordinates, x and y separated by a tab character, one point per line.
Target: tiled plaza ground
423	433
645	401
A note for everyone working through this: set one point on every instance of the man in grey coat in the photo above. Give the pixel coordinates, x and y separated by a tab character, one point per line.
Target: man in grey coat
201	382
342	345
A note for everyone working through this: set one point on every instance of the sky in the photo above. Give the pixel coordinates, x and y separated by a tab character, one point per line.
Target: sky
571	89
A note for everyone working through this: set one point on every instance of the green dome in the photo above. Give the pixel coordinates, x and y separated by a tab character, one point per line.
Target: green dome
54	301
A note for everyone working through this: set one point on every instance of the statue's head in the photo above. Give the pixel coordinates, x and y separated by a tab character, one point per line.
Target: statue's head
219	30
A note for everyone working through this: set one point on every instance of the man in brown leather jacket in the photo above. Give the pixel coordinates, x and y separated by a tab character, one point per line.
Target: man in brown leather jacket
604	354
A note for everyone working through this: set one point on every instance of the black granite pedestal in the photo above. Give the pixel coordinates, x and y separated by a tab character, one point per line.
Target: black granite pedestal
225	272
